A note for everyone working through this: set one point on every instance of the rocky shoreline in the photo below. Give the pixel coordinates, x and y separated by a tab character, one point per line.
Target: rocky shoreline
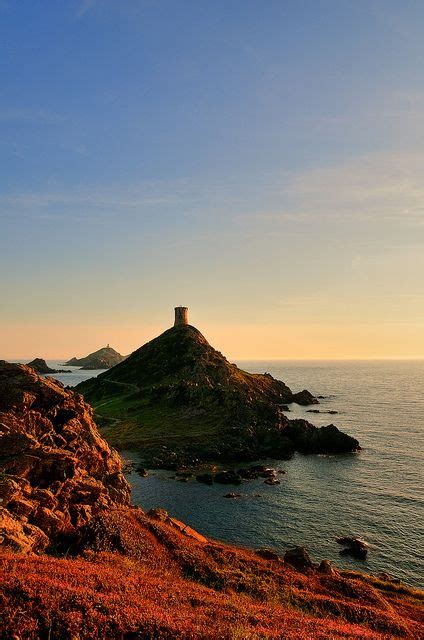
79	561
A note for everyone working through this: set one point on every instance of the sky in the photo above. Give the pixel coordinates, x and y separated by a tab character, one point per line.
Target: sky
261	162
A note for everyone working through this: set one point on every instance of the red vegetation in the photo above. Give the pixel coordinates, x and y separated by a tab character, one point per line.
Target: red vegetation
146	579
119	573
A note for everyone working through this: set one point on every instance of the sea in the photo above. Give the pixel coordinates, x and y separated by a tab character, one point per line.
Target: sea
376	494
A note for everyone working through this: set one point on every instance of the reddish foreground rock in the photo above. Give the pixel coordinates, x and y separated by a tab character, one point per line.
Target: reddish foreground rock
56	470
78	562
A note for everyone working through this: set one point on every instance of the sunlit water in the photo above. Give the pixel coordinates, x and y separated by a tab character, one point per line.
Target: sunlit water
376	494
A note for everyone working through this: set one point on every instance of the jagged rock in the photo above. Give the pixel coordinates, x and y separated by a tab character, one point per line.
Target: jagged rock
304	398
232	494
326	568
267	554
227	477
19	536
268	473
57	472
252	472
309	439
298	558
157	513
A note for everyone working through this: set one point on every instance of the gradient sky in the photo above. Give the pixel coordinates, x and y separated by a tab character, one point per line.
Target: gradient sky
259	161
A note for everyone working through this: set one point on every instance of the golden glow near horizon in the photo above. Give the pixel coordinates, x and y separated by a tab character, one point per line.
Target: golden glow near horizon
237	342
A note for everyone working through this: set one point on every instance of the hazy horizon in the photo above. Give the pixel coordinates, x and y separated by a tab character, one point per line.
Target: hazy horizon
260	163
226	340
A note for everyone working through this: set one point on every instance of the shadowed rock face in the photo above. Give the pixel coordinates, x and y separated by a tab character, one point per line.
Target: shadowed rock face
56	470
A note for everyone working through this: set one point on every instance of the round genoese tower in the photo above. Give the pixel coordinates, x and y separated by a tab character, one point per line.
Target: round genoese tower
181	316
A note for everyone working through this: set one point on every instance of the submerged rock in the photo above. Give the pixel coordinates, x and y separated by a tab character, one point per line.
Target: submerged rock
205	478
330	411
141	471
272	481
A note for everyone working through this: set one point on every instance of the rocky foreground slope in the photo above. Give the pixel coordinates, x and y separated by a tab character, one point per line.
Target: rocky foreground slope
180	401
78	561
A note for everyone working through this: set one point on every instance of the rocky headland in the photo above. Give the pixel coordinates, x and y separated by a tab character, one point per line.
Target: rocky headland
40	366
181	401
103	358
79	561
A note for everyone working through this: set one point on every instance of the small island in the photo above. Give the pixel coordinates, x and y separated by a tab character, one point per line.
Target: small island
179	401
40	366
103	358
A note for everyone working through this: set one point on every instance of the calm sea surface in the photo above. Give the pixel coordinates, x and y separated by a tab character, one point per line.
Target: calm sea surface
377	494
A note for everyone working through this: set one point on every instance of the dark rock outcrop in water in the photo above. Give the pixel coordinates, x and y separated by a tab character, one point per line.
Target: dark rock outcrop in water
353	546
40	366
304	398
181	401
56	470
104	358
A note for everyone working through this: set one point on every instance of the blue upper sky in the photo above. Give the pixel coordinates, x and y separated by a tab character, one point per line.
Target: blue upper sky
261	162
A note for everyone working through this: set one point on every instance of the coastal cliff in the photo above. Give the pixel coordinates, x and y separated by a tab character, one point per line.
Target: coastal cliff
78	561
181	401
57	472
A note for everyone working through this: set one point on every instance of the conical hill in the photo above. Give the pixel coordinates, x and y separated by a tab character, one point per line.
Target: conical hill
178	399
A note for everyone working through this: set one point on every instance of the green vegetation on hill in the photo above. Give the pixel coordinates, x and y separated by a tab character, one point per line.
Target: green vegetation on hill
178	399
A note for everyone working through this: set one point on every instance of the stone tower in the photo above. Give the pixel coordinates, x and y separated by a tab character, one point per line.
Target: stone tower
181	316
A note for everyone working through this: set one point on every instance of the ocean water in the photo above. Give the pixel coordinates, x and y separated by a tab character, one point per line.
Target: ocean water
377	494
